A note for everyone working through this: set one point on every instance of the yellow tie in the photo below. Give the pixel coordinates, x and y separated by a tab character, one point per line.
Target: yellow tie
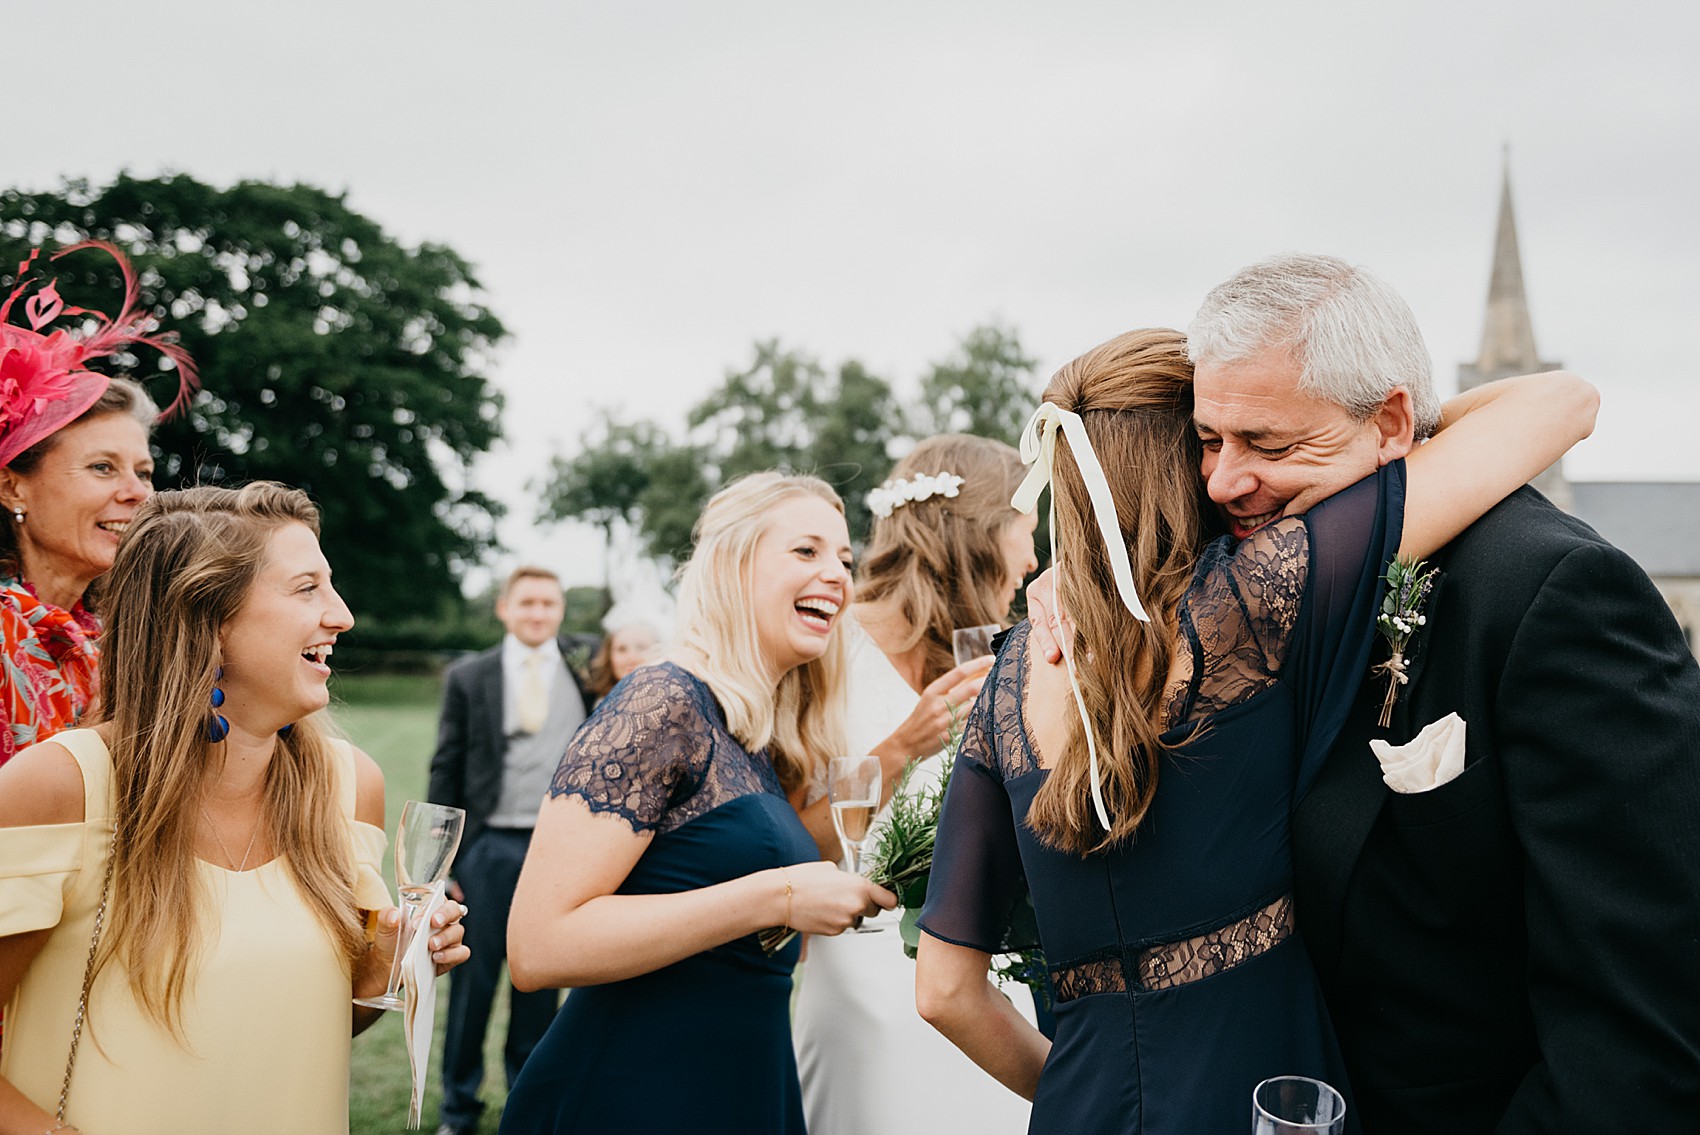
533	698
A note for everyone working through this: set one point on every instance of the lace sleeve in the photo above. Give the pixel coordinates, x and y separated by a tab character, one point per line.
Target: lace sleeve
977	877
642	751
1239	614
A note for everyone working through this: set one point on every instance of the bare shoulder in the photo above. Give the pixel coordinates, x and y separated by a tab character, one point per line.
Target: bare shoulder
368	788
43	784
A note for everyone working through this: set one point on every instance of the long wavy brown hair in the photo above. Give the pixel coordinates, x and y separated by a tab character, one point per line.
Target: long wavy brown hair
183	571
1134	397
940	559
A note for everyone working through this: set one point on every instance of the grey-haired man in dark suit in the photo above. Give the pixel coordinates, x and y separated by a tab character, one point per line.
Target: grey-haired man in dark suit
1515	950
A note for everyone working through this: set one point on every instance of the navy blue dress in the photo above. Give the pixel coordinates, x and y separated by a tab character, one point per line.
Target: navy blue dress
1178	977
703	1045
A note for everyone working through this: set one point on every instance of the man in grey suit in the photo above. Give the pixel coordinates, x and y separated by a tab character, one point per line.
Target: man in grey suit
507	716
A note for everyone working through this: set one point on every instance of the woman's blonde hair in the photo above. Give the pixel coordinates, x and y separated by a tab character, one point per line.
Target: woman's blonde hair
1134	397
183	571
940	561
801	724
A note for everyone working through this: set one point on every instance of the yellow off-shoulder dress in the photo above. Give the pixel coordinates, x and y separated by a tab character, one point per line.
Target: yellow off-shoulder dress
266	1015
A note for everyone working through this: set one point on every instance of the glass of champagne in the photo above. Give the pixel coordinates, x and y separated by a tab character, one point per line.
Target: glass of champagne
425	846
969	643
1297	1105
853	788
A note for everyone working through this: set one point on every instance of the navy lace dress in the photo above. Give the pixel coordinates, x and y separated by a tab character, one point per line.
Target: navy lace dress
703	1045
1178	978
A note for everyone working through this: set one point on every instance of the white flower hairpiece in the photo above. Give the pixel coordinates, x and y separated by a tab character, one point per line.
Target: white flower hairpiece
923	486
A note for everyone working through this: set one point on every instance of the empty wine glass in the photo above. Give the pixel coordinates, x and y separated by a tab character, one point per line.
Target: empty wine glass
425	844
969	643
1296	1105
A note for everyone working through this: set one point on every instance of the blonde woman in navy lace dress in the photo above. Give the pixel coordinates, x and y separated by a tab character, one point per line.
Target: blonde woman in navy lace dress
669	841
1158	857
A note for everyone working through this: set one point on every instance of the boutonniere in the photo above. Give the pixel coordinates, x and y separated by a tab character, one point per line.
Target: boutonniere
1408	585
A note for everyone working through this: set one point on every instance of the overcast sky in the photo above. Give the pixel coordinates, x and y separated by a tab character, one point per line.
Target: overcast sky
647	188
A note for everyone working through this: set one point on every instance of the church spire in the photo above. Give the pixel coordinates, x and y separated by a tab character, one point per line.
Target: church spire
1508	336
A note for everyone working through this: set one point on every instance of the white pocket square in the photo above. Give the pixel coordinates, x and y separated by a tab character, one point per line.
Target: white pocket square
1426	761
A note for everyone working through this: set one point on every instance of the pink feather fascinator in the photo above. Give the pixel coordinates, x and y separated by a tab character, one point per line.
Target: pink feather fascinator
44	380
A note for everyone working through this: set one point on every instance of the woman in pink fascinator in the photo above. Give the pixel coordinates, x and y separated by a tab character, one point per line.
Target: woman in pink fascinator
74	467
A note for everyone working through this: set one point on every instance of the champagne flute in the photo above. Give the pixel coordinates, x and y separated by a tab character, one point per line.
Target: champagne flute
969	643
1296	1105
425	844
853	789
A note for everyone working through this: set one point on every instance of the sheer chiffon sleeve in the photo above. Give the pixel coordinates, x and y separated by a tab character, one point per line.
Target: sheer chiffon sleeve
1353	536
977	877
645	747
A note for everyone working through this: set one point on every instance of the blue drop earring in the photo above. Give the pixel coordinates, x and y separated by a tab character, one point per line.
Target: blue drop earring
218	728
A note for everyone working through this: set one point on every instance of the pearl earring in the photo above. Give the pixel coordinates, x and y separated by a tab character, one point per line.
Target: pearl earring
18	513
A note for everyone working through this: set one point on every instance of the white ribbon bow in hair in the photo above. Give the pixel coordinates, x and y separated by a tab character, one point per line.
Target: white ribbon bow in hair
1038	449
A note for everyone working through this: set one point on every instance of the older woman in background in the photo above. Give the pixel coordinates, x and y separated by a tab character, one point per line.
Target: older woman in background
74	467
633	637
947	551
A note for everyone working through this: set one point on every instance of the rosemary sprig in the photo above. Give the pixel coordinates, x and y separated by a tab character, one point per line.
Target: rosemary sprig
1409	583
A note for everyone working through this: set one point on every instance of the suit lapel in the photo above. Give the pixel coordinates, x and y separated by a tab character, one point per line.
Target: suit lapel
490	695
1332	822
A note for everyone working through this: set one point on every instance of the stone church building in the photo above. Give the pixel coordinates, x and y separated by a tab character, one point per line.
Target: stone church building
1658	523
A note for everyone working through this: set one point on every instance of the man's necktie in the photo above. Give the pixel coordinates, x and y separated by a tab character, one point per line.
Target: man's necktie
533	704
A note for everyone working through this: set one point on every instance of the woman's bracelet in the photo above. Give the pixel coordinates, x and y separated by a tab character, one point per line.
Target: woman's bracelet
786	875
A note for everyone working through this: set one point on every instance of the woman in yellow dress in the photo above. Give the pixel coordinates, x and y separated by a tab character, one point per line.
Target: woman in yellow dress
222	840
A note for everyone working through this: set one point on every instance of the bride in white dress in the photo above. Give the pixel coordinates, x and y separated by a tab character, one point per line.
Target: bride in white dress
868	1063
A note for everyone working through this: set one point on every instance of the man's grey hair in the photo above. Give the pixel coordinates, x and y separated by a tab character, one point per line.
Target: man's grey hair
1354	338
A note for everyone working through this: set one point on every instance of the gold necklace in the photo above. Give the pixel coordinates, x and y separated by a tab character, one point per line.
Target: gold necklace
229	858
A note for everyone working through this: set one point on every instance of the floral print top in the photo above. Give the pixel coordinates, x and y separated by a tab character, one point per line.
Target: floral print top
48	663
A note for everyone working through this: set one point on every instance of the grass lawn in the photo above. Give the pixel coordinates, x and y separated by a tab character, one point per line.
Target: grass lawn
394	718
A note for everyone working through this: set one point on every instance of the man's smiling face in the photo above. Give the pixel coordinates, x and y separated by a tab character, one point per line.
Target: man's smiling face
1273	450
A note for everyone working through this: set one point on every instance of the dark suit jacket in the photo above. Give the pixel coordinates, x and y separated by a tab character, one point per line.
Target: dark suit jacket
466	770
1519	950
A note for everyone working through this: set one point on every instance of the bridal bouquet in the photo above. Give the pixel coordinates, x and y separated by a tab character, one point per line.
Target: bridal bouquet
901	860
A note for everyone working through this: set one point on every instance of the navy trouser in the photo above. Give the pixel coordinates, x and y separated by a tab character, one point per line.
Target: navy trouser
487	872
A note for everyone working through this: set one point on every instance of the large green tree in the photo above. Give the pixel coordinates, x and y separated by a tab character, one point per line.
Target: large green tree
332	358
629	475
988	386
783	411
